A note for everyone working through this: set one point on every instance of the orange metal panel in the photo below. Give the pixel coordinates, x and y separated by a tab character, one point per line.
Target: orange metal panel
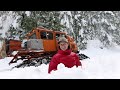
14	45
49	45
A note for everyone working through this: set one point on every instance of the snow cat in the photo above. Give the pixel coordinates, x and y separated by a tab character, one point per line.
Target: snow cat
38	47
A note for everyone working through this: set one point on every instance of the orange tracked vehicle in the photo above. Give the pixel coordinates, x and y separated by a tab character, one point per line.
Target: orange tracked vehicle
38	47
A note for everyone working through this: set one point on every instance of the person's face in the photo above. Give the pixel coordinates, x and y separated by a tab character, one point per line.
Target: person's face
63	46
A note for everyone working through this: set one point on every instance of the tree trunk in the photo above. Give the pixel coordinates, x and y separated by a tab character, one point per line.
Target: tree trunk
2	49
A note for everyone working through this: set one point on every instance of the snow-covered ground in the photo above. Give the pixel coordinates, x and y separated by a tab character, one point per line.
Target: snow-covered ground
103	64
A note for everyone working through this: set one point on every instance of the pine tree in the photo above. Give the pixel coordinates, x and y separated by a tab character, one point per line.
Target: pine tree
47	19
82	25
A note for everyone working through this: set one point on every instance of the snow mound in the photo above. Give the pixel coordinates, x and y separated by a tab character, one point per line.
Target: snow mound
94	44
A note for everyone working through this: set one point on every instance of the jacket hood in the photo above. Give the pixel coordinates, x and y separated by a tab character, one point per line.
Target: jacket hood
66	52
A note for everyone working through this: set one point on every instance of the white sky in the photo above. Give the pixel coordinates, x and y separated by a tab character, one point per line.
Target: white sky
103	64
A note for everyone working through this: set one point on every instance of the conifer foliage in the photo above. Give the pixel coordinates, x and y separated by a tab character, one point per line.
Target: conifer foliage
81	25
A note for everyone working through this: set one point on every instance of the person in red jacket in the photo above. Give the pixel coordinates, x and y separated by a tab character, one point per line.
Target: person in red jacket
64	56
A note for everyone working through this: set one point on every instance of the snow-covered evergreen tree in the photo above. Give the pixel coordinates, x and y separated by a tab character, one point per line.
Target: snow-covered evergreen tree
81	25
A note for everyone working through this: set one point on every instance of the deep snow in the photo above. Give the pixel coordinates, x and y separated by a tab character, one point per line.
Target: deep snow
103	64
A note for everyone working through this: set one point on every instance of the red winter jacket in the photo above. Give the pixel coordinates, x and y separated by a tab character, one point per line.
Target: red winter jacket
68	58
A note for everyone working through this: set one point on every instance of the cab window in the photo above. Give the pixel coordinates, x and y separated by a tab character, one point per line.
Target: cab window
60	35
49	35
46	35
43	35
